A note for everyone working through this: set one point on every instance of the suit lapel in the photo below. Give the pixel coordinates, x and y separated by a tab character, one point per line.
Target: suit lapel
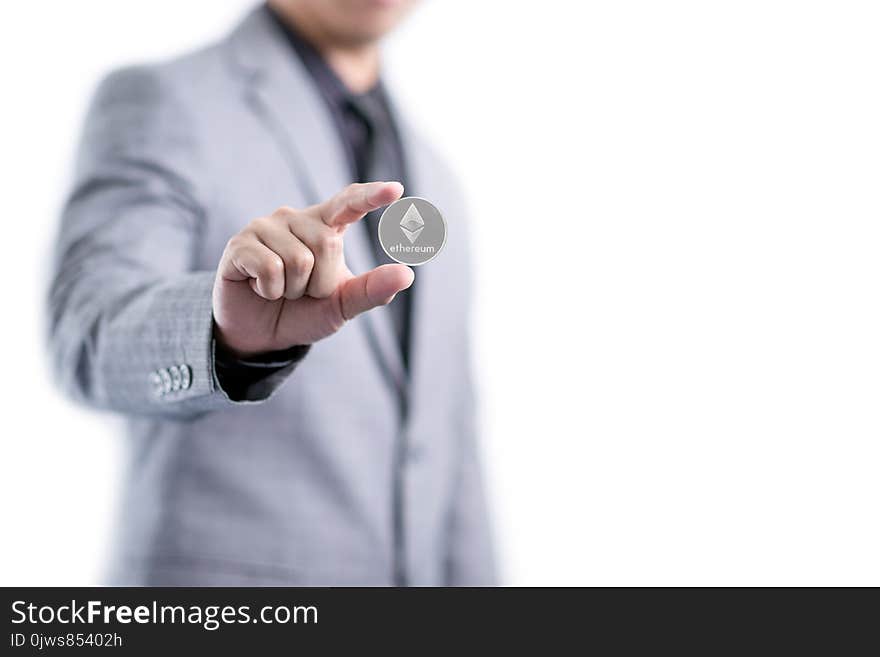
283	95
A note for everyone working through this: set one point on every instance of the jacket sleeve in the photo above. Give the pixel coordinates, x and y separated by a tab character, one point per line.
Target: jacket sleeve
131	321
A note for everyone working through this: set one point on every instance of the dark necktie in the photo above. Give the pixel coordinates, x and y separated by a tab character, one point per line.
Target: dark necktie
382	160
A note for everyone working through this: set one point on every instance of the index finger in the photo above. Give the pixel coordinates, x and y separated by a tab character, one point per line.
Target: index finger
356	200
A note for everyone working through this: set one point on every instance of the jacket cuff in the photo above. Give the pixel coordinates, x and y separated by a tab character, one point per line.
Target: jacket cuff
183	373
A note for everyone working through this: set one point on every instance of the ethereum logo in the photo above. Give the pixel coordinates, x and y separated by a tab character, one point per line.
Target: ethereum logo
412	223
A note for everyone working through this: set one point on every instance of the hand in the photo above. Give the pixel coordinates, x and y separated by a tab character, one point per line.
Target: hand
282	281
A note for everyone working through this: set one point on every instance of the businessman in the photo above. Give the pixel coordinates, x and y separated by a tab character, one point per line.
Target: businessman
299	408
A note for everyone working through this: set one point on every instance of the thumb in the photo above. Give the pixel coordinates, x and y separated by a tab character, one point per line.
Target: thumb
375	288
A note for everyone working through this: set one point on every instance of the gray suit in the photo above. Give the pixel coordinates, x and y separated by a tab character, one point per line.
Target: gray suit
342	469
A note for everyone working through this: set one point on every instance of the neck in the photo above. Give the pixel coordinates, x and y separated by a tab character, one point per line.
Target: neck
356	64
359	71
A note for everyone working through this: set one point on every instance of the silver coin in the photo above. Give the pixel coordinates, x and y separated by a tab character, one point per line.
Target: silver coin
412	231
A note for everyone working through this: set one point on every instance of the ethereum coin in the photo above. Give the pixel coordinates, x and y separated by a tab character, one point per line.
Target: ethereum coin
412	231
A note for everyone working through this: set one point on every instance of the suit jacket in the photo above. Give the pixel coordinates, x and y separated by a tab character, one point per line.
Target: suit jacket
342	469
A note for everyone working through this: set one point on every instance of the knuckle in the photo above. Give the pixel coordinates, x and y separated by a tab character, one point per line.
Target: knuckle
238	245
329	245
271	266
354	192
259	224
234	244
302	262
284	212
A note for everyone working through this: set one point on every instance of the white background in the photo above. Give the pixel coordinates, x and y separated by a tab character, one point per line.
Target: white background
677	210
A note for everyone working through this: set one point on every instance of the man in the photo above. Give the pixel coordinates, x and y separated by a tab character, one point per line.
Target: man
300	413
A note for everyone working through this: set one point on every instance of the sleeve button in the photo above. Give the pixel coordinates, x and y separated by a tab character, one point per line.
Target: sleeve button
175	377
185	376
166	380
156	383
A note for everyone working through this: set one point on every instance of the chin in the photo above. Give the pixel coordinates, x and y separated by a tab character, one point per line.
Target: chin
369	20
